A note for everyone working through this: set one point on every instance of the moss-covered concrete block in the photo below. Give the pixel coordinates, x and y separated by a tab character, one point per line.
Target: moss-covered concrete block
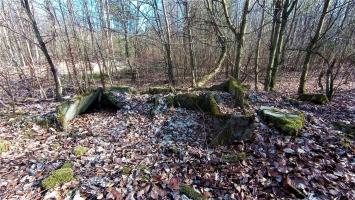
235	127
287	121
220	87
68	110
80	151
161	90
123	89
204	102
191	193
239	91
319	99
4	146
62	175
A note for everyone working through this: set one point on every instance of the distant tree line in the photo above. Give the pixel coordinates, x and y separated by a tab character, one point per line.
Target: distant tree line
187	42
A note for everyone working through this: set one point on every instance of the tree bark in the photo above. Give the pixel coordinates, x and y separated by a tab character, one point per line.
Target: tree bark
42	45
240	40
310	47
273	41
256	59
191	52
222	41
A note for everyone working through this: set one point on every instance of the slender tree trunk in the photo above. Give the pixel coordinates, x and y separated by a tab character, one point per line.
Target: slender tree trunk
273	40
280	41
240	40
167	45
42	45
309	49
256	59
191	52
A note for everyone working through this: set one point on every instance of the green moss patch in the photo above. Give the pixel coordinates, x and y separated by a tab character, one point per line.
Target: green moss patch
80	151
63	175
288	122
4	146
190	192
319	99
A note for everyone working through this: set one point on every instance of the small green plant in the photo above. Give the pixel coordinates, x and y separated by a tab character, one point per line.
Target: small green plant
80	151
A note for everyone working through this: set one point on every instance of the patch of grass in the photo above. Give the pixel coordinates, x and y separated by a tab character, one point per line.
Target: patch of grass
80	151
62	175
4	146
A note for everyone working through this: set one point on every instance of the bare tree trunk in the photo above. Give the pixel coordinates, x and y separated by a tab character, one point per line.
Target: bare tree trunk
168	46
191	52
42	45
240	40
310	47
222	41
256	59
280	41
273	40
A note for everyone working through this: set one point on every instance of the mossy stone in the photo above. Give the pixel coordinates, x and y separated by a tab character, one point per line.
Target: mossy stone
319	99
63	175
191	193
80	151
289	122
4	146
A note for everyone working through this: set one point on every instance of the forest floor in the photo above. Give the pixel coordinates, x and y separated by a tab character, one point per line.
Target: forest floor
134	155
